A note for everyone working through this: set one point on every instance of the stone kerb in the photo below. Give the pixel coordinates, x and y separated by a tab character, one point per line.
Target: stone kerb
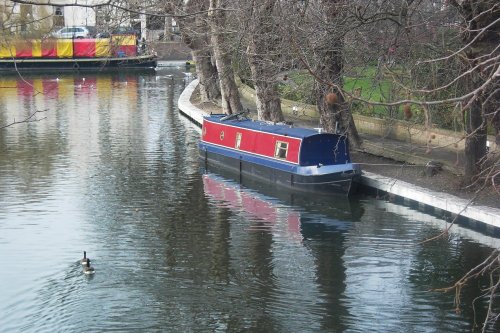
447	202
185	106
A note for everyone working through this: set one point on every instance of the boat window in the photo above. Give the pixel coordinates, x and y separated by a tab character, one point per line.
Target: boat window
221	135
281	149
238	141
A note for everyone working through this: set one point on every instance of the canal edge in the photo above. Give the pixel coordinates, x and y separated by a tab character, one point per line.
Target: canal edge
481	218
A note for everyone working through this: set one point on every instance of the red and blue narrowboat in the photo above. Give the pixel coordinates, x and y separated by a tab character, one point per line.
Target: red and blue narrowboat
298	158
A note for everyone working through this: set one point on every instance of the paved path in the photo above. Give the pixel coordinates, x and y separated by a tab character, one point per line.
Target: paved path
412	153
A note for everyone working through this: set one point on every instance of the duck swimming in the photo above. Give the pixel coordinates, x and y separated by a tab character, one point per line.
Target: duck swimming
88	269
84	260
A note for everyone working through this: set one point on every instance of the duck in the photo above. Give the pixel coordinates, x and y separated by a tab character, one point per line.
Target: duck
89	270
84	259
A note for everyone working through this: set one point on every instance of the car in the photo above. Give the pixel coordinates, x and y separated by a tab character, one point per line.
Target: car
125	31
73	32
104	34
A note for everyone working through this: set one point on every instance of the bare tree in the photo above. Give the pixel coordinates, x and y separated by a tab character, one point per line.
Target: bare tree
262	52
194	31
481	56
447	57
319	36
30	118
229	91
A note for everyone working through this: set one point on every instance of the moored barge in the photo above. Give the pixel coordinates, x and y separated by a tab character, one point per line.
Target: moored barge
297	158
118	52
143	62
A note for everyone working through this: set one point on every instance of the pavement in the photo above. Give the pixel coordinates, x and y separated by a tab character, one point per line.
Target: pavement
414	154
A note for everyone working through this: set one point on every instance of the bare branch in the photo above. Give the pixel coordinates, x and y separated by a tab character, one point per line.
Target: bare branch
28	119
114	4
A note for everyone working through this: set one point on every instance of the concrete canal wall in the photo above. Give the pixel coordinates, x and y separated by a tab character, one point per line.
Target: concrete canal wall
171	51
485	219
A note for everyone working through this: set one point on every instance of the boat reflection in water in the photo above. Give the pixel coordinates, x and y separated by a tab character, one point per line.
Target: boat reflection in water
296	214
307	264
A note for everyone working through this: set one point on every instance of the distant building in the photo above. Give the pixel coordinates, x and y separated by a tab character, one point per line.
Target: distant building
74	15
39	20
25	18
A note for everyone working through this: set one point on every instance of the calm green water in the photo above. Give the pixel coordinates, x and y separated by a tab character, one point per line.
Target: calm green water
112	168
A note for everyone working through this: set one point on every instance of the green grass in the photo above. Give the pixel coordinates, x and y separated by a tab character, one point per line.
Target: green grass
365	85
300	87
363	82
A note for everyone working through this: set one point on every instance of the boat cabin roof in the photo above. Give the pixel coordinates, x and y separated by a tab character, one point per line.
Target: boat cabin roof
264	126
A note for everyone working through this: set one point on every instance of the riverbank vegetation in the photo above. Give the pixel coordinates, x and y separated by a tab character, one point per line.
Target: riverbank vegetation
370	84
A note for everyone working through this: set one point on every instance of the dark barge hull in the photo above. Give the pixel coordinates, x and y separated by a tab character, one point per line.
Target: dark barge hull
340	183
78	64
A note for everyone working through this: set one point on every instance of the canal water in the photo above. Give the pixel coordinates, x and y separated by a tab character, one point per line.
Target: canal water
109	166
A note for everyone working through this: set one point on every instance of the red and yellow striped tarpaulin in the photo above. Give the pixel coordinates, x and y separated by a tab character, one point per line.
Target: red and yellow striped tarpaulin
48	48
124	45
102	47
64	48
36	48
84	48
118	46
24	48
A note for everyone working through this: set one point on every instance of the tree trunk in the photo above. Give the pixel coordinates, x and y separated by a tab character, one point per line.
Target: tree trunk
261	49
193	29
476	14
334	111
229	91
268	103
475	142
207	76
267	96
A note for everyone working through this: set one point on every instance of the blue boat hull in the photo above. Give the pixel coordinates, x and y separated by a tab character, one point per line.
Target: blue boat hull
283	174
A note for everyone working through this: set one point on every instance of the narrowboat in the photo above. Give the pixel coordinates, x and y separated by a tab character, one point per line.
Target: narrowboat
301	159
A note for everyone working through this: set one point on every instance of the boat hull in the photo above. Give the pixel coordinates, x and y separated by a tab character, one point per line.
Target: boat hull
341	182
78	64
